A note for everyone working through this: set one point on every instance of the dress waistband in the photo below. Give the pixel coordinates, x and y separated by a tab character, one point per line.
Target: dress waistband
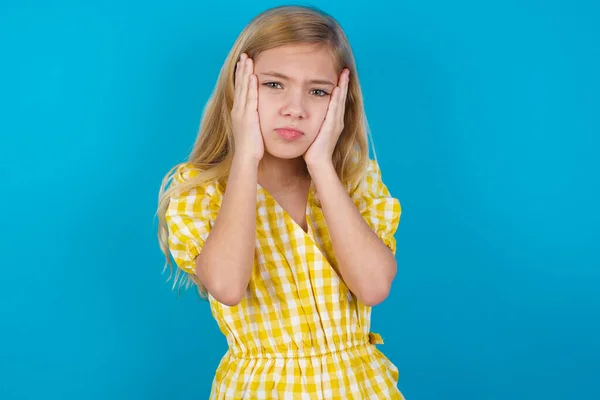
304	352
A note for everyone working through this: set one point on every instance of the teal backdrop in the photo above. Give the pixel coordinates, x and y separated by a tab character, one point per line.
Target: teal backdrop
485	117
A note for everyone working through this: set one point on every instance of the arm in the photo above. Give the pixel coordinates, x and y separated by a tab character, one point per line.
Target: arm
366	264
225	264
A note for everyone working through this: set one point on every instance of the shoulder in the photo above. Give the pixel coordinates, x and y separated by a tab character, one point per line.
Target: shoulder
372	172
185	172
371	179
187	181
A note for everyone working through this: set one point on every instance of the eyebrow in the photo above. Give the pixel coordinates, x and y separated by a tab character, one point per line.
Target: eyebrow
312	81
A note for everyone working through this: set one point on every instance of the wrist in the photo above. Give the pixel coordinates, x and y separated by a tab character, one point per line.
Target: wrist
317	169
326	164
245	161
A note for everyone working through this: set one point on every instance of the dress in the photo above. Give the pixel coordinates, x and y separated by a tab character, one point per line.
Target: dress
299	333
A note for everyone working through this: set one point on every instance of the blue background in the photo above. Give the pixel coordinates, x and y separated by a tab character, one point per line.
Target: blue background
486	121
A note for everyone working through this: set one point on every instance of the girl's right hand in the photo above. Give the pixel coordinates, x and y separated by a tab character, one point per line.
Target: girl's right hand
244	114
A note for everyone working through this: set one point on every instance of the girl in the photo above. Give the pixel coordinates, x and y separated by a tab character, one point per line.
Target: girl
281	219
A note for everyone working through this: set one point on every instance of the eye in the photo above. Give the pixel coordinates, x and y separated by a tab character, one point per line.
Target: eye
272	85
319	92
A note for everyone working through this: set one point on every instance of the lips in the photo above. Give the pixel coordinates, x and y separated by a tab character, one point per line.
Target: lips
289	133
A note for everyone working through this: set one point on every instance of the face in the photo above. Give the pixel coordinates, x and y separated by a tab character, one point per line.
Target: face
294	87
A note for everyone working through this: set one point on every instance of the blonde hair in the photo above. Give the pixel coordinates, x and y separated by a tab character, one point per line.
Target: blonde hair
213	149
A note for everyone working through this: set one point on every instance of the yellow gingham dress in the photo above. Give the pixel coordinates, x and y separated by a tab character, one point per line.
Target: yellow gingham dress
299	333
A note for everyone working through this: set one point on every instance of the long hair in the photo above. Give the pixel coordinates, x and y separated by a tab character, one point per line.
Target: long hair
213	149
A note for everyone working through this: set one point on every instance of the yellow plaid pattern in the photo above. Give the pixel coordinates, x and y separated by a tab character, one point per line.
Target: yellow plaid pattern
299	333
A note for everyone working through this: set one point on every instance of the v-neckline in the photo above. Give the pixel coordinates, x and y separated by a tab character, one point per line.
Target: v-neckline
307	209
309	234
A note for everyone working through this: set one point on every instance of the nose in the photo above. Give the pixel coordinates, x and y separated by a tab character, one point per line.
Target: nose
293	105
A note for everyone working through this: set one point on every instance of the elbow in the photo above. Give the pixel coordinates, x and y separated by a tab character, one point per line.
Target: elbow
374	296
224	289
377	290
227	293
230	299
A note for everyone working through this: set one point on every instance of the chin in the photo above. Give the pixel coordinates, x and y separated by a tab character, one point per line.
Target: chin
285	151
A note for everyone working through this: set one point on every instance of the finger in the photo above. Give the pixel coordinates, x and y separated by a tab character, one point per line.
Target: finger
247	71
238	80
346	85
344	82
252	101
332	108
241	99
236	85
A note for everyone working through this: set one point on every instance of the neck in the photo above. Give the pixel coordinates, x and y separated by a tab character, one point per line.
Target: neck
281	173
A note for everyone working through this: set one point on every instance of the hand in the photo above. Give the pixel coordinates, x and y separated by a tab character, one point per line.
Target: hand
320	151
244	114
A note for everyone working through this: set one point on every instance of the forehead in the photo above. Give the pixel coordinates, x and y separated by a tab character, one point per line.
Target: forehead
310	60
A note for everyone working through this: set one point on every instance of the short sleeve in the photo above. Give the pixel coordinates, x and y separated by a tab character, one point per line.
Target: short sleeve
377	206
190	216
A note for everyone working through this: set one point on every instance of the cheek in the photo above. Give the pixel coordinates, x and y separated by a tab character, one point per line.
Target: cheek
321	110
318	113
265	109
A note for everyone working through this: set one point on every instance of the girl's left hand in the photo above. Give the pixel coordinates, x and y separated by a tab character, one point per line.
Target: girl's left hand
320	151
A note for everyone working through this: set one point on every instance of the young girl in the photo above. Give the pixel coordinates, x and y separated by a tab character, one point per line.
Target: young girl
281	219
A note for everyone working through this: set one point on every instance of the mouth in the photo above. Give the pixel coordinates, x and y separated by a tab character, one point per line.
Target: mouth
289	133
